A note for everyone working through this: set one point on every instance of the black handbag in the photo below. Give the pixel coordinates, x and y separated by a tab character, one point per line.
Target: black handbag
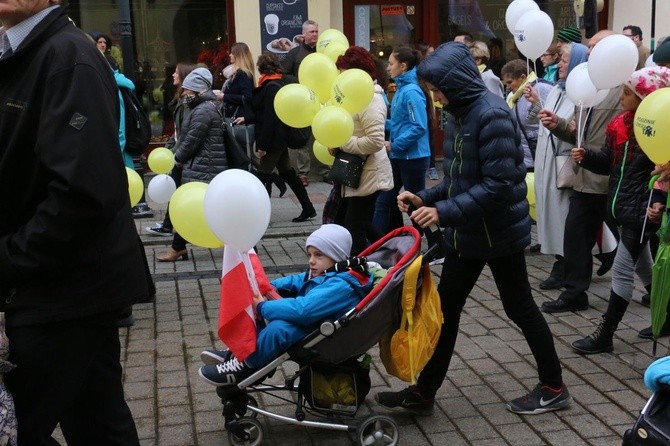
238	157
347	169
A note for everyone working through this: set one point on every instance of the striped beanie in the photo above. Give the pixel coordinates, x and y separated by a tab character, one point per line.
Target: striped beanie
570	34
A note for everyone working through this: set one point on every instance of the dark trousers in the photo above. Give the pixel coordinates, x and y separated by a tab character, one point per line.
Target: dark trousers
176	176
459	276
355	214
70	373
585	216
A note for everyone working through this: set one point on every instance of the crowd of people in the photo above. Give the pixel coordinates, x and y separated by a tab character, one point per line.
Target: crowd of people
62	299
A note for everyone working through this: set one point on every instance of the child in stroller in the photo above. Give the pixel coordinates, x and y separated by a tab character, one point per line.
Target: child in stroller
318	294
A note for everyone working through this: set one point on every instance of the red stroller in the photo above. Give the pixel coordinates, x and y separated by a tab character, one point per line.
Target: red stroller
333	352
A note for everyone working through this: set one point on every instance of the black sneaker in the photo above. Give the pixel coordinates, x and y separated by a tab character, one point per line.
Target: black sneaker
212	356
542	399
409	399
227	373
645	300
142	210
159	230
562	305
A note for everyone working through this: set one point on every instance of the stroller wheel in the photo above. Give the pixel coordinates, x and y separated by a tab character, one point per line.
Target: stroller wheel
378	430
248	432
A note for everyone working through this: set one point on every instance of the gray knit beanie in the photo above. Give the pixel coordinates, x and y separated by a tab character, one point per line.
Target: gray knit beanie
332	240
198	80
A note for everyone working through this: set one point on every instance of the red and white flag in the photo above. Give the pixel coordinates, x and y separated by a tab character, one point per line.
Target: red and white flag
242	275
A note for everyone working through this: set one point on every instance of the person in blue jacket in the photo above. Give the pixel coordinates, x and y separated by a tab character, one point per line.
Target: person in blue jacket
310	298
408	146
482	205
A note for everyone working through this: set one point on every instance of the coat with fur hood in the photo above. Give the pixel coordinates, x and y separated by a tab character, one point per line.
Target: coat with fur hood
368	141
482	199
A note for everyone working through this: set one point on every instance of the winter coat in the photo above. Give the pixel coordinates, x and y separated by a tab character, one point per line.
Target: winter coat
68	244
237	94
294	58
481	201
409	119
368	140
326	296
271	133
629	172
201	149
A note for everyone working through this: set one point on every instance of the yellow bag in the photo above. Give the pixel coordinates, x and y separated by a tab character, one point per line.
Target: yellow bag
406	353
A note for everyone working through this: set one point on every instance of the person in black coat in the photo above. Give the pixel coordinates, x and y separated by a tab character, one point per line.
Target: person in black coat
70	256
482	204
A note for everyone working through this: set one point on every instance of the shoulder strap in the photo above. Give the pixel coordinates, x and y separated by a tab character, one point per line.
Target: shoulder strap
523	131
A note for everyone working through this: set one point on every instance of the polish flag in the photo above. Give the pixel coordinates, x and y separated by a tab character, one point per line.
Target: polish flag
242	275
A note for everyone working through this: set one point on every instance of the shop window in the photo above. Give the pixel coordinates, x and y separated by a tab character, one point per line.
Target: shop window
165	32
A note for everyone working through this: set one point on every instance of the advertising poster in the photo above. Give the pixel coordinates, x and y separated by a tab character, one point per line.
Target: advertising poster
281	25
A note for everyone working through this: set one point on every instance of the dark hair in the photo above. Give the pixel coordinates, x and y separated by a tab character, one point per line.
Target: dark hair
634	30
183	69
268	63
407	55
423	48
495	41
357	57
466	36
382	75
514	68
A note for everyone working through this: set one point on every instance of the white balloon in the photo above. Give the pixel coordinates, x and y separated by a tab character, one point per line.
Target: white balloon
516	9
580	88
533	33
160	188
237	208
612	61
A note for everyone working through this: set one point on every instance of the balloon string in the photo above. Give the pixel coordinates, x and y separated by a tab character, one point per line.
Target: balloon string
579	125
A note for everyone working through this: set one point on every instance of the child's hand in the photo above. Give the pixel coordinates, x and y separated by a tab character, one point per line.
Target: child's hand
257	299
655	212
663	172
577	154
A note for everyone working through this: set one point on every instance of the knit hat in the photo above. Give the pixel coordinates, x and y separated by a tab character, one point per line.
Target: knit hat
662	53
198	80
332	240
570	34
647	80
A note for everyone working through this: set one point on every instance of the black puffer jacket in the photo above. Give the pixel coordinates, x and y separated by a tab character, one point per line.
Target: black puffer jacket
629	169
201	149
482	200
271	133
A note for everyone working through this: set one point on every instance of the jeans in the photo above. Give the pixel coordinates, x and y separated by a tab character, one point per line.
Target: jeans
458	277
410	174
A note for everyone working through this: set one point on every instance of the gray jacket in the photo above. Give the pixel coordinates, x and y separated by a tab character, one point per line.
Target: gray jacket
593	139
201	148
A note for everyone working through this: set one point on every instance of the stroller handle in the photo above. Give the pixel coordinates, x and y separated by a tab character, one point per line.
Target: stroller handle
433	234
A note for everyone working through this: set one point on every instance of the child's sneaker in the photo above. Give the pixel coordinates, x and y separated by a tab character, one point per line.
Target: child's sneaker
159	230
432	174
212	356
409	399
227	373
542	399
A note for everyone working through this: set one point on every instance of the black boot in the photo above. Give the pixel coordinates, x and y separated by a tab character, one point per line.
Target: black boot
281	184
292	180
601	340
266	179
606	261
555	279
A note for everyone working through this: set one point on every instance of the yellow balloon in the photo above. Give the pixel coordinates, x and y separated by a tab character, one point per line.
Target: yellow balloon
335	50
321	153
332	126
652	126
135	186
161	160
353	90
296	105
530	194
318	72
187	212
329	37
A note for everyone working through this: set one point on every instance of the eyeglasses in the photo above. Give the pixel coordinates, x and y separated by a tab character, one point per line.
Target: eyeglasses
546	55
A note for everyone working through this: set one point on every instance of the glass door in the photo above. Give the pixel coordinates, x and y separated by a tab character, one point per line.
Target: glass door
382	25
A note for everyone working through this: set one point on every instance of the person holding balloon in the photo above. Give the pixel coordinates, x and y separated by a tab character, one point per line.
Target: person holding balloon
180	111
272	134
408	146
200	153
628	167
551	202
357	205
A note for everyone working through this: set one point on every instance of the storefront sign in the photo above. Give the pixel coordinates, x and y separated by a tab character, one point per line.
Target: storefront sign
392	10
362	25
281	25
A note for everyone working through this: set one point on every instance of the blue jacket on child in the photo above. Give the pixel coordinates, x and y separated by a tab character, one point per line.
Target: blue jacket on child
290	319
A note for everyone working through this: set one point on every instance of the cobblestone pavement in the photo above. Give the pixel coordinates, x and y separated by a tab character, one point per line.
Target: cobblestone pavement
492	362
